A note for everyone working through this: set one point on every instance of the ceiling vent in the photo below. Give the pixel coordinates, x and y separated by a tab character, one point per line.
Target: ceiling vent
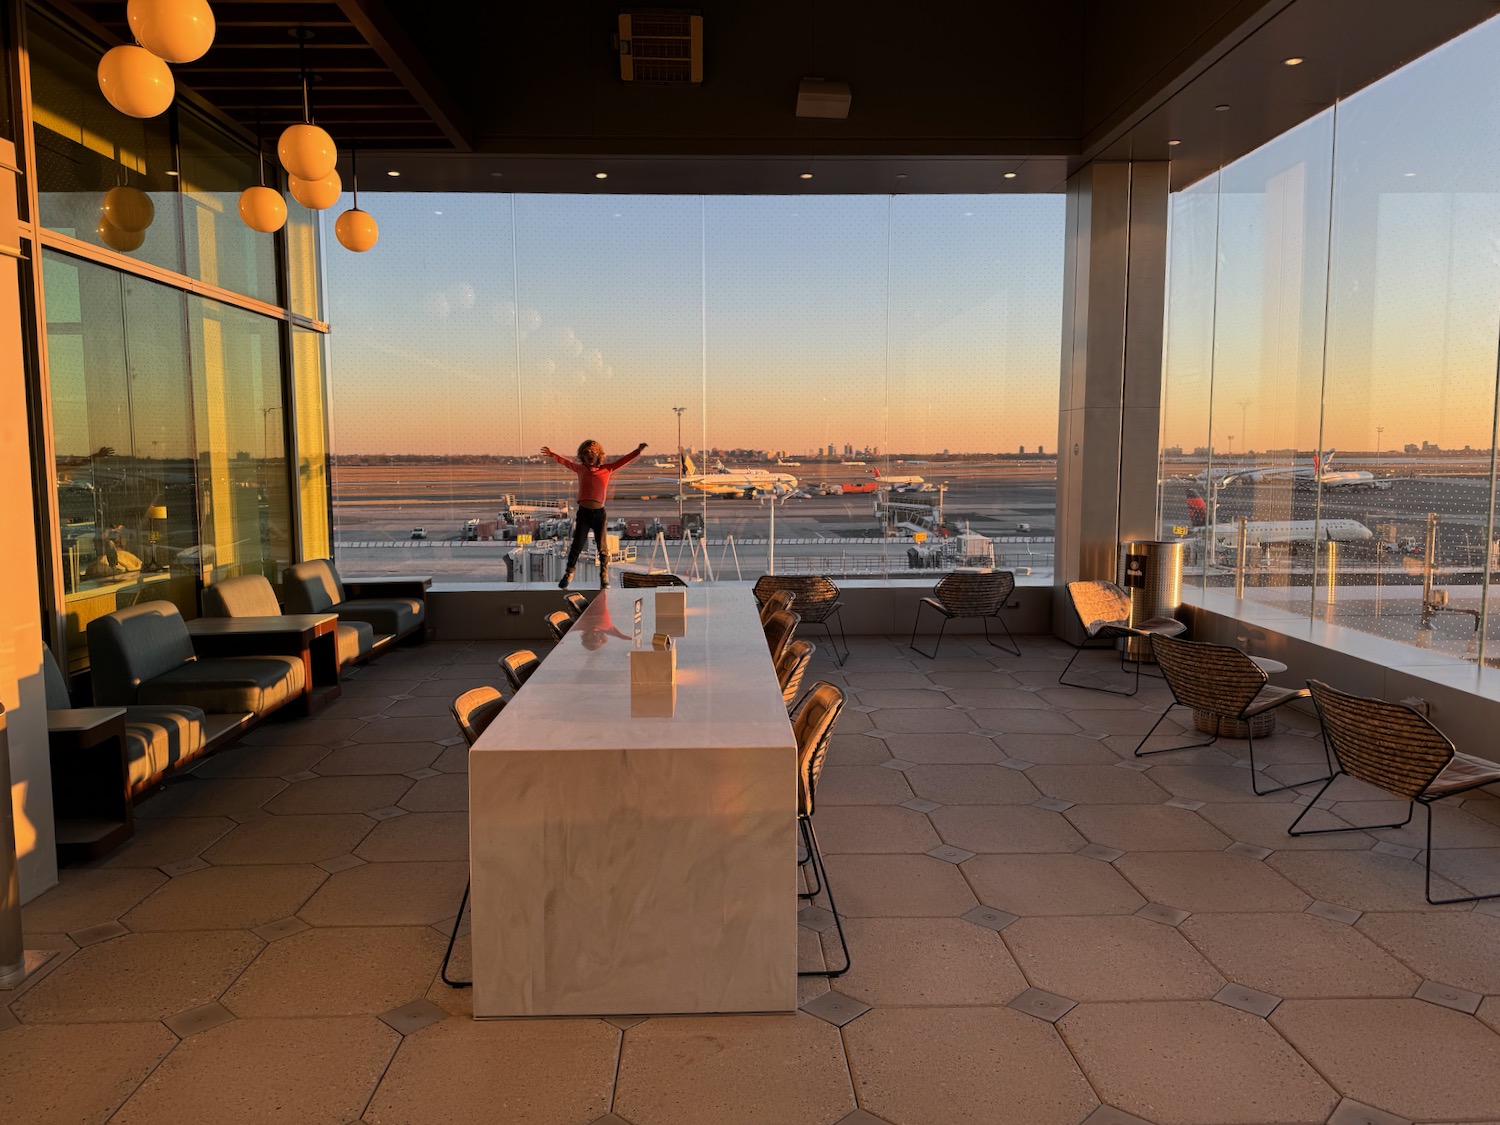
660	46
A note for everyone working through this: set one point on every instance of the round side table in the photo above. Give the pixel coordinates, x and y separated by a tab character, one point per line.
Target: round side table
1258	726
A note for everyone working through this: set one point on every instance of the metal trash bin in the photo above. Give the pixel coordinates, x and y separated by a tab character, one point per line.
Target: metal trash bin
1151	573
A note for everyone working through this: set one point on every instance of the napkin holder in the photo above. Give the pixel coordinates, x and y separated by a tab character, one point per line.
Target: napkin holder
652	667
671	612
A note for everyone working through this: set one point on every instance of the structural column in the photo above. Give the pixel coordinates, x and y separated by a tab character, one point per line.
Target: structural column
1109	409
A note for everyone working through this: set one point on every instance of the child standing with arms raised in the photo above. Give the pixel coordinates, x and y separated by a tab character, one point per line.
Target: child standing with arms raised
593	486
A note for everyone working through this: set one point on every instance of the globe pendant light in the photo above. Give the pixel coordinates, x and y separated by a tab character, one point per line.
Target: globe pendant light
116	239
356	230
316	195
262	208
178	31
306	151
136	82
128	209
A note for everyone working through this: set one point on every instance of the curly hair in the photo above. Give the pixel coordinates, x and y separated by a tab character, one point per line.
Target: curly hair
591	452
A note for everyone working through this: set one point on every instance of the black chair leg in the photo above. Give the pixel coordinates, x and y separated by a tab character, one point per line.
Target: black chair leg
1438	901
807	844
1318	796
915	621
832	907
452	940
1328	777
1014	649
827	628
1062	679
933	654
1139	753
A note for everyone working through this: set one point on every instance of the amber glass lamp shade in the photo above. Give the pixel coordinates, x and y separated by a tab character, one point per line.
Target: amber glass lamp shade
356	230
178	31
128	209
307	152
136	82
116	239
263	209
316	195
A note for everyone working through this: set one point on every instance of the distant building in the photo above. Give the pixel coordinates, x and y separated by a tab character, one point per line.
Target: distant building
1410	447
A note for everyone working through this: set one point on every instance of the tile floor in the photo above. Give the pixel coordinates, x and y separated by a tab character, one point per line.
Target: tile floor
1040	935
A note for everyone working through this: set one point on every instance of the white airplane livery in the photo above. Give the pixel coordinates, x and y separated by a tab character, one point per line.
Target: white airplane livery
736	482
1262	533
1319	474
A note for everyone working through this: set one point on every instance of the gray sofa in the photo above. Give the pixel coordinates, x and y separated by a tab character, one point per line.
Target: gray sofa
144	656
395	608
251	595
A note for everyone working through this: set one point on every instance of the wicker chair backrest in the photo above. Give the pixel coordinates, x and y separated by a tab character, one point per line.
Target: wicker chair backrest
1099	604
559	621
792	667
779	631
975	595
1385	744
813	726
475	709
781	599
634	579
1207	677
817	596
518	666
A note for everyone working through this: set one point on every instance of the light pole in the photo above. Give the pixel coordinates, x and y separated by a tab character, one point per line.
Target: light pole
1379	441
678	410
265	417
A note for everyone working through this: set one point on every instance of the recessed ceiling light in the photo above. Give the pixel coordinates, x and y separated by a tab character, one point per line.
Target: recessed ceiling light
601	175
1174	142
437	212
1010	175
393	172
805	176
496	175
900	175
1295	60
170	172
968	214
1408	175
1221	109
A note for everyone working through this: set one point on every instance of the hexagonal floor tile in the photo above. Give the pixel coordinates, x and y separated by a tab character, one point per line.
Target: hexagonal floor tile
1111	958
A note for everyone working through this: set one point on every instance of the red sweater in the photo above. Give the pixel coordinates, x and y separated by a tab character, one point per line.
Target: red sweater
593	483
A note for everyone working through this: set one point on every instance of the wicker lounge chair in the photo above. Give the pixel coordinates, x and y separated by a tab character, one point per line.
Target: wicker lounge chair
791	668
518	667
1103	610
981	595
813	724
638	580
817	602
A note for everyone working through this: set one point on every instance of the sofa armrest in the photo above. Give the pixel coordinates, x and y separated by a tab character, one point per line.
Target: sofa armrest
78	728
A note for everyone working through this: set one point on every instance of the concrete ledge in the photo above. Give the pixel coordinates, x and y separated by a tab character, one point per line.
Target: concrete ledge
872	607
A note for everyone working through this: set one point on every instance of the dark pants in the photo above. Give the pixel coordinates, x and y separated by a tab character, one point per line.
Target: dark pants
588	519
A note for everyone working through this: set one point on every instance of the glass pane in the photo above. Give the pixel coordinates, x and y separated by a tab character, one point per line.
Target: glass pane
304	274
1412	346
426	414
124	442
1187	369
975	351
85	148
314	502
221	249
242	502
1268	365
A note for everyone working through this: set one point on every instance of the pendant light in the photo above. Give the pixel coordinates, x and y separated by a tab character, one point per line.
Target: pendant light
116	239
306	151
262	208
316	195
136	82
178	31
128	209
356	230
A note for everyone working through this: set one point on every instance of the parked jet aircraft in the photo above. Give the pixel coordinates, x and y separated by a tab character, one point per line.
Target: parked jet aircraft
1264	533
1304	477
736	482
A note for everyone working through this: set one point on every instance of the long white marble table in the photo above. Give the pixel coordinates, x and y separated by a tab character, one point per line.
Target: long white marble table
636	854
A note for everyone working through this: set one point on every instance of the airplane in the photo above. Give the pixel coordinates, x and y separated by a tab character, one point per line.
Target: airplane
902	484
1263	533
788	464
736	482
1319	474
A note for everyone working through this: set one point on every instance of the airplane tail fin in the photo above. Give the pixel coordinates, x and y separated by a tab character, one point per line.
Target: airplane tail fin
1197	508
687	465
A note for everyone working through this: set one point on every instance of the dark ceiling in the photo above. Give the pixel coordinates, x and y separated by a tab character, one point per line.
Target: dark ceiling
947	95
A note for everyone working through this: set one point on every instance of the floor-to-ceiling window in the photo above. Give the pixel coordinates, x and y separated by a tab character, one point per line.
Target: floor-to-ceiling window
1331	375
856	385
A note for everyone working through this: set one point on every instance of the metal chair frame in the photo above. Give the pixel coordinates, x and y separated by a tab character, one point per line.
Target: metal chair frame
816	717
817	602
1224	682
474	710
1098	628
980	595
1395	748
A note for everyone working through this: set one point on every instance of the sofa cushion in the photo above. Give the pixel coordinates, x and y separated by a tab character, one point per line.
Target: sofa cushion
355	639
157	738
387	615
249	595
129	646
229	684
312	587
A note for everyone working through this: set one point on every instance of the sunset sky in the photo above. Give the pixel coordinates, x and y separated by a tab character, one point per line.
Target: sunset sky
903	323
